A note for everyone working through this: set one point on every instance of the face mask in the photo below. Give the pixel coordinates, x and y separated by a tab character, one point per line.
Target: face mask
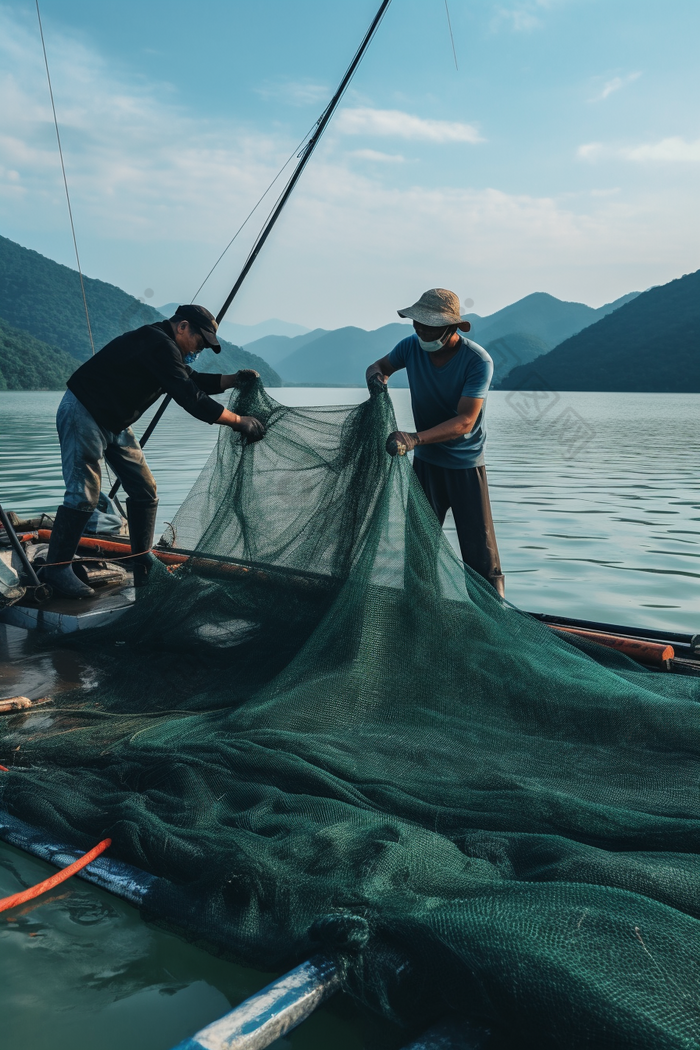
191	358
432	345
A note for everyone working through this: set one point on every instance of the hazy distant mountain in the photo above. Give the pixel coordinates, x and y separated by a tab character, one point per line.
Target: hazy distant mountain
515	348
43	298
232	358
341	357
542	316
242	334
515	335
248	333
275	347
650	344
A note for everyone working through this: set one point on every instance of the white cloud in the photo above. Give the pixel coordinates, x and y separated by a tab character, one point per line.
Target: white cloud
613	85
158	193
501	246
138	165
377	157
590	151
674	150
520	19
296	92
395	123
524	16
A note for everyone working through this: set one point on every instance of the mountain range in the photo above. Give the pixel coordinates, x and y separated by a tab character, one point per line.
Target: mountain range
541	315
274	348
43	298
516	334
651	343
340	357
648	341
240	334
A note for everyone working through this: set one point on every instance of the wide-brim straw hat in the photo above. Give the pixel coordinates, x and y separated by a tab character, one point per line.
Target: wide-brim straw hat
437	308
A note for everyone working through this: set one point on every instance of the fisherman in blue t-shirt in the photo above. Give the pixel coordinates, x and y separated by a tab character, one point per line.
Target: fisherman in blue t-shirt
449	378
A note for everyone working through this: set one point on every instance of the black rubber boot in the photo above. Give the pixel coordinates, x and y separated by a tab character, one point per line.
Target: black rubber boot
67	529
142	527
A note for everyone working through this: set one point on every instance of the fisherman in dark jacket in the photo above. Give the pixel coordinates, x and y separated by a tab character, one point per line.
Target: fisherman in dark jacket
104	397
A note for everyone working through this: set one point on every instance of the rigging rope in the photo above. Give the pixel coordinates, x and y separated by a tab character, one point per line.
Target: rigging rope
303	152
304	157
273	216
65	180
250	214
449	25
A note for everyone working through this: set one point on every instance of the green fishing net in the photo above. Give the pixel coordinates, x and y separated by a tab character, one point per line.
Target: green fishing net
323	732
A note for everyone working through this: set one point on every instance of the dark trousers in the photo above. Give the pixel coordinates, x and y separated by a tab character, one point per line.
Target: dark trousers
467	493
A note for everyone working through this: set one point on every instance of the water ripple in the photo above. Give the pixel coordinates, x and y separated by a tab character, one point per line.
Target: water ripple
637	476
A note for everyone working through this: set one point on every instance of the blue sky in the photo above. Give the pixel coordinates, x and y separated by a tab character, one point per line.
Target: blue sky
562	156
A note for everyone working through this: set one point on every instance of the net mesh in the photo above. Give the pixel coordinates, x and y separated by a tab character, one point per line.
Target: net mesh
338	735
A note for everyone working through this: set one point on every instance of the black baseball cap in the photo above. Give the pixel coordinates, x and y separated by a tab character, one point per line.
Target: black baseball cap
200	318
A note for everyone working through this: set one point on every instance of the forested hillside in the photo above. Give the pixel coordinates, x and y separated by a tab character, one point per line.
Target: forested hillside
43	298
512	349
27	363
541	316
650	344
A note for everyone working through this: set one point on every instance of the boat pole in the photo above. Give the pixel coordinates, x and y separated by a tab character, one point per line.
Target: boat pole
271	1013
118	878
264	1017
257	1022
41	592
304	158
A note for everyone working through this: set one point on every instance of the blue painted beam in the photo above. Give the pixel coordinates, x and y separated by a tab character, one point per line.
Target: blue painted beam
123	880
272	1012
452	1034
262	1018
255	1023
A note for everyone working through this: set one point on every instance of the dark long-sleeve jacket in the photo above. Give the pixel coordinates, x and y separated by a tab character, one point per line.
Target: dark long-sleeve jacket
126	376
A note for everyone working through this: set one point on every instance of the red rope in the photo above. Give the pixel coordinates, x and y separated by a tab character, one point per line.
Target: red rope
55	880
4	769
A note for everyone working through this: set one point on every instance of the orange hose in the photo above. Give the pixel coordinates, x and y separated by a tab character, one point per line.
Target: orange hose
55	880
108	547
644	652
113	547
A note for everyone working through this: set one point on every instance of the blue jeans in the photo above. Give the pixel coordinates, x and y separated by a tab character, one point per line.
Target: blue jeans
84	444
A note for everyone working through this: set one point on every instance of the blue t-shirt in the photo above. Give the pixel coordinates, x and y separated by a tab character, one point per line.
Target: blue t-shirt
435	394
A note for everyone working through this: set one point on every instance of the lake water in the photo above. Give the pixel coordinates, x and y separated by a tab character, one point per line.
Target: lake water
79	970
596	499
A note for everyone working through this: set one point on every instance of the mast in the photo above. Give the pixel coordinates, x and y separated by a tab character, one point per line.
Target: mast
304	158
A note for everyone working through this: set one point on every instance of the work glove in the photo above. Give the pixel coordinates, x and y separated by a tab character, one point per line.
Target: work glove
246	375
251	428
375	383
401	442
